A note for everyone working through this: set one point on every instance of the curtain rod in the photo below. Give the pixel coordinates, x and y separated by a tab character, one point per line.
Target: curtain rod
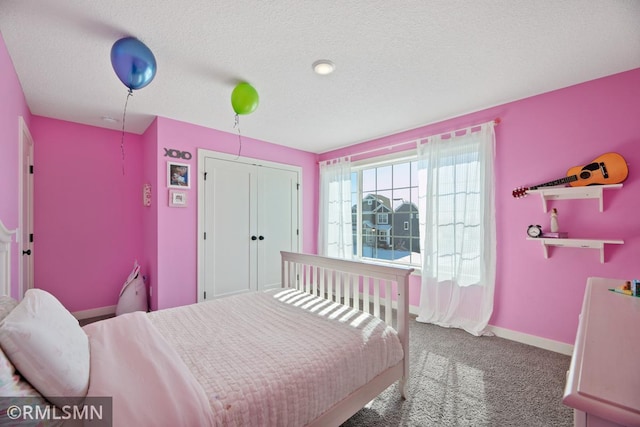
495	121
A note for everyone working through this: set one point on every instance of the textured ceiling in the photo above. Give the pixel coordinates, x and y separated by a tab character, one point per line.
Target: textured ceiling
399	64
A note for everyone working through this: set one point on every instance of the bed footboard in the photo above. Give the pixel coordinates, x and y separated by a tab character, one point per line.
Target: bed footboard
365	286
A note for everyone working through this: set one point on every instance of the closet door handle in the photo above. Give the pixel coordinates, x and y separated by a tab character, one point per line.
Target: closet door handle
27	252
261	238
254	238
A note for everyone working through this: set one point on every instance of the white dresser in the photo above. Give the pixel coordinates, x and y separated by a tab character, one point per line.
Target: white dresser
603	382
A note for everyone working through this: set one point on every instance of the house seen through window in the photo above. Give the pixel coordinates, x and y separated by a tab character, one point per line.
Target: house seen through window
385	217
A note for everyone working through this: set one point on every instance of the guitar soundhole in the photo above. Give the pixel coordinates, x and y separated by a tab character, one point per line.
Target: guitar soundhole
585	175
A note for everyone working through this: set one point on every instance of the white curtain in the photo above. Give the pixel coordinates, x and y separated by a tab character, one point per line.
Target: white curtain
335	235
457	225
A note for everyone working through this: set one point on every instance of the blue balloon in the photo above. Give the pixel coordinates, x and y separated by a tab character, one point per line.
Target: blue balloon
133	62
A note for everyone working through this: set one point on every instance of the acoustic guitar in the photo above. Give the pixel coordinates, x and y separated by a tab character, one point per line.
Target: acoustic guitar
609	168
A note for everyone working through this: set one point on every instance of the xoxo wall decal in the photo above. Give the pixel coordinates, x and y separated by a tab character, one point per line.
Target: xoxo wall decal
177	154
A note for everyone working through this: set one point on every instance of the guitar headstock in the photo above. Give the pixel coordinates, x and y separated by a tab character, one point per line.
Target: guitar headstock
520	192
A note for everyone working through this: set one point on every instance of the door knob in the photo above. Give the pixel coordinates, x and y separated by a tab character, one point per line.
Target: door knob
261	238
254	238
27	252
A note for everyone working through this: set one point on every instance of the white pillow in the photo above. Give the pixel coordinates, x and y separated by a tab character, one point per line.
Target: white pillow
47	346
6	305
13	387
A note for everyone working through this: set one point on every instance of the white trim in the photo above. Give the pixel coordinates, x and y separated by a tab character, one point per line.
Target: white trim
94	312
544	343
24	138
408	155
202	155
414	309
248	160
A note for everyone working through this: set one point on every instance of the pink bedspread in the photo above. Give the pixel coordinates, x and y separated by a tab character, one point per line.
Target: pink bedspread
149	382
278	358
281	358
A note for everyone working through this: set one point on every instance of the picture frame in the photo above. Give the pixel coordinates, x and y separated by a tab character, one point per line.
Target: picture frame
178	175
177	199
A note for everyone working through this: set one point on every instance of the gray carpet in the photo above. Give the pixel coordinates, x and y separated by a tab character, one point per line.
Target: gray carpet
458	379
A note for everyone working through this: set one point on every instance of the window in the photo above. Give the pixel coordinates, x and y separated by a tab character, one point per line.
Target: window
385	219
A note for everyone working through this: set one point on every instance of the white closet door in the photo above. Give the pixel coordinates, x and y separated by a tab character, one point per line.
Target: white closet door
277	222
230	197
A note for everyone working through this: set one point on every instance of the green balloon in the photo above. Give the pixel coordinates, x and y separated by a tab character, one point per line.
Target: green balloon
244	99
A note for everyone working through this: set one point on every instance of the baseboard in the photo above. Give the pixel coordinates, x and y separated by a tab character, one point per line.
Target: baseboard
95	312
544	343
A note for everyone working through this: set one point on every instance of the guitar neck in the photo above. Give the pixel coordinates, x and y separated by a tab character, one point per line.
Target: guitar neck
565	180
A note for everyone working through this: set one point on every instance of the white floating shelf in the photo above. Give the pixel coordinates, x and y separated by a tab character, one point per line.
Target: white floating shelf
587	192
576	243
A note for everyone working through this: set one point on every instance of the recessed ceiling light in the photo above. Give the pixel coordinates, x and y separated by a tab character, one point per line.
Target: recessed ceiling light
109	119
323	67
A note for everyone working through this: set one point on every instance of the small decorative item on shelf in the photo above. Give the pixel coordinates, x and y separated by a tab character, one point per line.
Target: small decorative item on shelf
534	231
553	226
558	235
631	288
554	221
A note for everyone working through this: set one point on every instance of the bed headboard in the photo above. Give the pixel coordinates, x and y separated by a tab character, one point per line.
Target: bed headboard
5	259
365	286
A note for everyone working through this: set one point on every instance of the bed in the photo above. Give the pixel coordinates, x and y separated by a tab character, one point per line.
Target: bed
312	353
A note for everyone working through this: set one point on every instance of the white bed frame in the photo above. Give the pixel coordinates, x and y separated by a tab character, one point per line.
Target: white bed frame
346	282
362	285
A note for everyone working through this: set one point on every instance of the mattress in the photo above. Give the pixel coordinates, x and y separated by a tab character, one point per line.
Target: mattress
277	358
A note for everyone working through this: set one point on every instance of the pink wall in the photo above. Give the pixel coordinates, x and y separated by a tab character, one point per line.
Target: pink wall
564	128
176	228
87	213
90	223
149	263
538	140
12	106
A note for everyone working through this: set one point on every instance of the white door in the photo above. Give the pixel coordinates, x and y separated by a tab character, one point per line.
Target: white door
277	222
25	281
230	215
248	213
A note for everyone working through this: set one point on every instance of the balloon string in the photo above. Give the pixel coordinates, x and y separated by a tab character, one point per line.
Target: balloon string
124	115
237	125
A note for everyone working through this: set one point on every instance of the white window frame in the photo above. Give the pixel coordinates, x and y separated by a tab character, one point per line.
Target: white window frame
358	166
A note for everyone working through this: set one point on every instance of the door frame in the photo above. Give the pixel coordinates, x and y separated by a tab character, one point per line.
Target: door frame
25	216
202	155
